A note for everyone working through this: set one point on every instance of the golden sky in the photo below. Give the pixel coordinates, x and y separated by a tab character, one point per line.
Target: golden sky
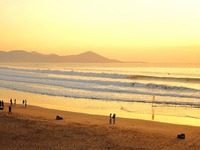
128	30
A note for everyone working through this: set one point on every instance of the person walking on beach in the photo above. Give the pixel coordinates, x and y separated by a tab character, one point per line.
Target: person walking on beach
15	101
11	101
25	103
114	116
110	119
2	104
10	109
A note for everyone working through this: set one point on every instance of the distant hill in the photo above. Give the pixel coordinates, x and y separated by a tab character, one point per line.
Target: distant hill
35	57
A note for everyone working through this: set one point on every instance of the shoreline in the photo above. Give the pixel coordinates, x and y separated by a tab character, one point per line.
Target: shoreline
38	128
104	108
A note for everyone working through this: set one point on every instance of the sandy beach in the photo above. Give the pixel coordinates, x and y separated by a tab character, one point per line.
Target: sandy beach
36	128
99	75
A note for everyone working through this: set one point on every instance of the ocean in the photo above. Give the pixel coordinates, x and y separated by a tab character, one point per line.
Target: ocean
173	85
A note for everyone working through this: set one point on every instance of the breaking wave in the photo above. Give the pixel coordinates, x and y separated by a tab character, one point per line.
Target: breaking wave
98	85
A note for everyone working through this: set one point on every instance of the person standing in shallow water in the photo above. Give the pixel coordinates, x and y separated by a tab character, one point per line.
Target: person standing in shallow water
114	116
110	119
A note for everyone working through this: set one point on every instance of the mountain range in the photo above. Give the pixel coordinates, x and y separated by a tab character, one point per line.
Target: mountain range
35	57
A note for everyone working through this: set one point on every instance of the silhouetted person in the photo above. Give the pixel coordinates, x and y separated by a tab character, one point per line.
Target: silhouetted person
15	101
25	103
11	101
114	116
1	107
2	104
59	118
10	109
110	118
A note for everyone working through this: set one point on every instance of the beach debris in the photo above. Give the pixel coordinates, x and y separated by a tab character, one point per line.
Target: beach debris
58	118
181	136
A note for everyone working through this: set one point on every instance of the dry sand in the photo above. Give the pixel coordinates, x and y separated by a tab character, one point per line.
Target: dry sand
36	128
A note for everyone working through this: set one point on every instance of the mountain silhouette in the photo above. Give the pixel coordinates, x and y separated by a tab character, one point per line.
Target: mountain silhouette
35	57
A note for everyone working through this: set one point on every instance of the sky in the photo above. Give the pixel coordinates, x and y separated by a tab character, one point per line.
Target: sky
165	31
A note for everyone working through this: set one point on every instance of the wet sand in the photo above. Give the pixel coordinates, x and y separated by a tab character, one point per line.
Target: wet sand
143	111
36	128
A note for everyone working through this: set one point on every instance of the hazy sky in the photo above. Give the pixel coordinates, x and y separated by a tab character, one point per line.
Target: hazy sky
132	30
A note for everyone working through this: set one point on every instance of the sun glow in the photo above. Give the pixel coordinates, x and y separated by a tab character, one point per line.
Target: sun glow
140	30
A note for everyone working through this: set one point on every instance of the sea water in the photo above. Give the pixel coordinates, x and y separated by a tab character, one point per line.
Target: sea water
128	88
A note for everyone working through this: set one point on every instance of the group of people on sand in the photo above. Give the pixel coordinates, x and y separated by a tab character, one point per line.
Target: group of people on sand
24	103
11	102
112	118
1	104
10	106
